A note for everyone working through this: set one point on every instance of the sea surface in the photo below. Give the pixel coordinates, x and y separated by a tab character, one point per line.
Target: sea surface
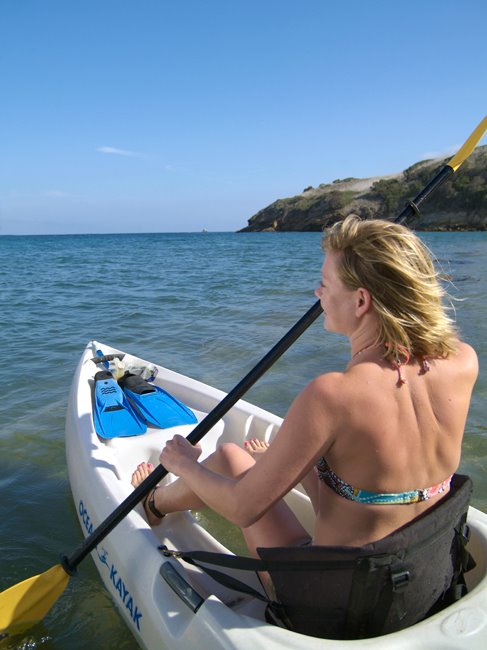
209	305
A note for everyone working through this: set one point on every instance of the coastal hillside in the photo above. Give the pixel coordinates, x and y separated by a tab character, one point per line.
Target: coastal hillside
459	204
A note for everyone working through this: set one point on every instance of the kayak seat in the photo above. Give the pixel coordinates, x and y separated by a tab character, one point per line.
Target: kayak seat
340	592
389	585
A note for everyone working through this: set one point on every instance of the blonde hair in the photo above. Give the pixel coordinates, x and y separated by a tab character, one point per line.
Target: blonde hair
397	269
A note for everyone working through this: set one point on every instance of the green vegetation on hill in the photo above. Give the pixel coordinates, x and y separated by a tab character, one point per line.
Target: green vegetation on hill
460	203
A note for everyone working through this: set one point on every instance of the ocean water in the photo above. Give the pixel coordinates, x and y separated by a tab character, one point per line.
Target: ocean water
209	305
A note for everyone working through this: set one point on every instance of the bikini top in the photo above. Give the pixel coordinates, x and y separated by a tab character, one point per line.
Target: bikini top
343	489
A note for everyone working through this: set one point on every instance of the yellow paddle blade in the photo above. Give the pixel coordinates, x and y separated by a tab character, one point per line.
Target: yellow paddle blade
29	601
464	152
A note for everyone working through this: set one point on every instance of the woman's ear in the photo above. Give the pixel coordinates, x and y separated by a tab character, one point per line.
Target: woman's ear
364	301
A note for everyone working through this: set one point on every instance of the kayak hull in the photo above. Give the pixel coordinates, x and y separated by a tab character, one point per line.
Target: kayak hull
166	603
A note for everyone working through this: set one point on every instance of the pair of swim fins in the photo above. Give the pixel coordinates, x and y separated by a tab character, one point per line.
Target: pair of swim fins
125	408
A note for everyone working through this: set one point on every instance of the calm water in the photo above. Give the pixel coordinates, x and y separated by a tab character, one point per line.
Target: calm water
207	305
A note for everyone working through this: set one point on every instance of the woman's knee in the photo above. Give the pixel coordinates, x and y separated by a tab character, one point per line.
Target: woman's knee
233	459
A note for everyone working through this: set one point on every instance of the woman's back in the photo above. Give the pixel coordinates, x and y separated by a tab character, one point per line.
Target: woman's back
392	437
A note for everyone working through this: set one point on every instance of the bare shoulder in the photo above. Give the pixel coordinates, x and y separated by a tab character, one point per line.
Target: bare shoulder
318	411
326	390
467	357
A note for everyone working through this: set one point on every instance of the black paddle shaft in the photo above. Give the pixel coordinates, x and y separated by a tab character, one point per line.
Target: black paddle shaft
70	563
411	209
89	544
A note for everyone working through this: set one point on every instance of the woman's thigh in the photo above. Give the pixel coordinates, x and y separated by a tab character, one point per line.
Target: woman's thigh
278	526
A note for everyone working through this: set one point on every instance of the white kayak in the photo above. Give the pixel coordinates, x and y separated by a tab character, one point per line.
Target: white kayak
169	604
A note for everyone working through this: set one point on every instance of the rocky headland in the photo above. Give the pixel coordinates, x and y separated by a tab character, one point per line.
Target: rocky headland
459	204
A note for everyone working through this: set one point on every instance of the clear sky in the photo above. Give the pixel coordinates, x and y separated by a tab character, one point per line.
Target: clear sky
160	116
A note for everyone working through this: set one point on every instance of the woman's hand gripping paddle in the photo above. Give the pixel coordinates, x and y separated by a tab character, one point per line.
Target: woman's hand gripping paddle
26	603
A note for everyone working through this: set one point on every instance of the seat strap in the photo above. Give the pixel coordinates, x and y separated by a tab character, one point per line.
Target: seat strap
253	564
229	561
202	558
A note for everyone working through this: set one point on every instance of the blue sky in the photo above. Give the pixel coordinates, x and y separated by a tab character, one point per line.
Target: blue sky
160	116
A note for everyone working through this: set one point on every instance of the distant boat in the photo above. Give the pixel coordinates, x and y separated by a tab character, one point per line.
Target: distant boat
204	230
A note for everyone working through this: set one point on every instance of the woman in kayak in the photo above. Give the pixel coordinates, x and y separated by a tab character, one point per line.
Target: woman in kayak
374	446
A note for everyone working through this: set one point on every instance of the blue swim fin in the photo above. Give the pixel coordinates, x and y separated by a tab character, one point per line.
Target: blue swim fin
156	406
113	414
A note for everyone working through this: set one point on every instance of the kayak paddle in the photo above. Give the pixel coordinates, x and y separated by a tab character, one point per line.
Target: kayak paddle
27	603
411	210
